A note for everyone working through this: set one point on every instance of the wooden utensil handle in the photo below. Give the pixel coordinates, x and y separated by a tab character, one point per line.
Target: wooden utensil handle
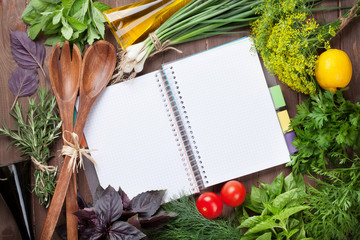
57	201
71	207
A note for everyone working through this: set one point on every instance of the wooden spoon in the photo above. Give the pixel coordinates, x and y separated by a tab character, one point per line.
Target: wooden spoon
97	68
65	81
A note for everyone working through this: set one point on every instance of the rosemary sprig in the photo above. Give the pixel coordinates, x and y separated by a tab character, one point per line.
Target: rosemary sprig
33	136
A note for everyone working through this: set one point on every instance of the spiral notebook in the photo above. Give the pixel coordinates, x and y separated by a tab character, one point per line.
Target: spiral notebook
199	121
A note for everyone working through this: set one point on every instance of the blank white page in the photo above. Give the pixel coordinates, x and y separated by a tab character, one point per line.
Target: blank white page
129	127
230	110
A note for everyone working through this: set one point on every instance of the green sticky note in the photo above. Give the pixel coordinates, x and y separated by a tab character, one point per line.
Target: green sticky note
277	97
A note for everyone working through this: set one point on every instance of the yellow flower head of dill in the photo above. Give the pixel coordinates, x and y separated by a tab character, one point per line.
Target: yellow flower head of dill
287	37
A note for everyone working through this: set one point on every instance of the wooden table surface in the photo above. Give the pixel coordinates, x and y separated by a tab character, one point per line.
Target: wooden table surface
10	15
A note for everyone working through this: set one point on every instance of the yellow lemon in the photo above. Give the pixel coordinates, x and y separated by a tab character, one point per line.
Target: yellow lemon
333	69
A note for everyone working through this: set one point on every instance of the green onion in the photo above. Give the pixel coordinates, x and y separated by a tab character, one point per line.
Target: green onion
197	20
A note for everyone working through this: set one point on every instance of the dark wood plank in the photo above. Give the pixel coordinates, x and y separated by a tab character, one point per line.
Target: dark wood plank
10	15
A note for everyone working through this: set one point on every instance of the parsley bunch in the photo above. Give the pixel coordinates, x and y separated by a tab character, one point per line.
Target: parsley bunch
77	21
326	126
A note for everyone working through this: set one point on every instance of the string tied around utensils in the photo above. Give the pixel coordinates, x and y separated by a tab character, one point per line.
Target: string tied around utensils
74	150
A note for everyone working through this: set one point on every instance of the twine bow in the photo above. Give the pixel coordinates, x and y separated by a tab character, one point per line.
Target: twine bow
42	167
74	150
161	47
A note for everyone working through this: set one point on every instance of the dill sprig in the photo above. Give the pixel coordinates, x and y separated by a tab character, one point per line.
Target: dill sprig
190	224
33	136
335	202
288	37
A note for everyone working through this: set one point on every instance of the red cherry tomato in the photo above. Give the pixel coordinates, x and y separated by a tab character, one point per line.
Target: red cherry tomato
233	193
209	205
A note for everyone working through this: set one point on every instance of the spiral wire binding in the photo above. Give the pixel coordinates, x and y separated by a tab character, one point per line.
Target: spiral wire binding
184	126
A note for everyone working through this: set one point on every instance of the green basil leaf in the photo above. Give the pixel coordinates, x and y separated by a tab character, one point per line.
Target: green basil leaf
56	19
76	24
292	232
52	41
262	226
287	212
252	221
271	208
101	6
293	223
281	200
276	186
289	182
257	197
265	236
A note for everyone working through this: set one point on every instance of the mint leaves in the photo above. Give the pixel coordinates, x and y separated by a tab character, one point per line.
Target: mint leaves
77	21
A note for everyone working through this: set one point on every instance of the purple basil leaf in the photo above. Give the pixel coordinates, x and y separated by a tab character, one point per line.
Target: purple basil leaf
134	220
157	221
109	205
23	82
124	231
147	203
125	199
27	53
99	191
86	213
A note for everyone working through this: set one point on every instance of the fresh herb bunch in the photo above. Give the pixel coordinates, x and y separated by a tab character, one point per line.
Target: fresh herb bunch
288	38
189	224
115	216
77	21
34	135
197	20
326	126
278	209
334	211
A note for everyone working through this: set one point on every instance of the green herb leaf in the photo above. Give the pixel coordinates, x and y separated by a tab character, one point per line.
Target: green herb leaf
34	30
282	199
267	224
92	34
251	221
101	6
76	24
66	29
265	236
287	212
98	20
57	17
258	197
39	5
67	4
52	41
